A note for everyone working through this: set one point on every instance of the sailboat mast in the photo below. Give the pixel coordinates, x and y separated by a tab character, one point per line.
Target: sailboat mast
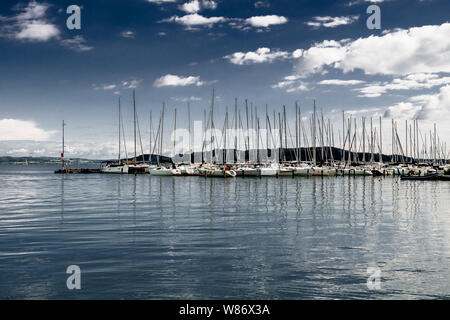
257	135
364	138
235	131
300	134
343	136
120	124
189	126
406	140
267	133
225	133
285	131
62	154
381	143
151	129
134	109
162	129
280	129
372	141
296	131
434	145
322	142
124	140
350	139
392	139
175	132
248	133
355	136
314	134
213	153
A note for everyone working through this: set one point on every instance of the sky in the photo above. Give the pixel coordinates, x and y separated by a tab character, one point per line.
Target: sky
176	51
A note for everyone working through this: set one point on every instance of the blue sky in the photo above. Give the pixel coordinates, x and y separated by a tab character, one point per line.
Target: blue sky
271	52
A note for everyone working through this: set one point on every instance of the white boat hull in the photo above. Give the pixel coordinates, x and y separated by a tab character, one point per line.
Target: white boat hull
220	173
268	172
357	172
285	172
250	172
161	172
115	169
304	172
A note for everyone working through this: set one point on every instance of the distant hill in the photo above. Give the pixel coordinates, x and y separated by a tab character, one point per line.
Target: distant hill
57	160
42	160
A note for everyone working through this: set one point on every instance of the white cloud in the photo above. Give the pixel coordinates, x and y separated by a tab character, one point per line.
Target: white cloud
266	21
283	84
291	84
195	6
77	43
161	1
432	107
105	87
332	22
337	82
14	129
417	50
261	55
131	84
188	99
33	11
37	31
437	106
127	34
297	53
126	84
190	7
170	80
402	52
361	111
421	98
209	4
262	4
402	110
410	82
30	24
291	78
195	20
313	60
355	2
299	88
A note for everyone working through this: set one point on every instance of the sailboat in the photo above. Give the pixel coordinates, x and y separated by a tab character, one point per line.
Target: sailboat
161	170
134	166
214	170
219	172
112	166
269	171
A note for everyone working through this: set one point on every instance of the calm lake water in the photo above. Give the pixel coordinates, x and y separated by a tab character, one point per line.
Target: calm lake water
143	237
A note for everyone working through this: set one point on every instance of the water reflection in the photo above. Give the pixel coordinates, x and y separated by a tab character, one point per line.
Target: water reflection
62	198
166	237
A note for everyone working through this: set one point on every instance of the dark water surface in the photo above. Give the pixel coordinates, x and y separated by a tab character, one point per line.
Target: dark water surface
143	237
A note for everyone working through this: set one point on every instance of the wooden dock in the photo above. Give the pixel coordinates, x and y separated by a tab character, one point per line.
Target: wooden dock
77	171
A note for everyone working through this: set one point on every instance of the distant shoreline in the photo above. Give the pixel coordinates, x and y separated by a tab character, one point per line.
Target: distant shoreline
43	160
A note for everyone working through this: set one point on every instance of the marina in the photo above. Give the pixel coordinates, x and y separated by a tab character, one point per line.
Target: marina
310	152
